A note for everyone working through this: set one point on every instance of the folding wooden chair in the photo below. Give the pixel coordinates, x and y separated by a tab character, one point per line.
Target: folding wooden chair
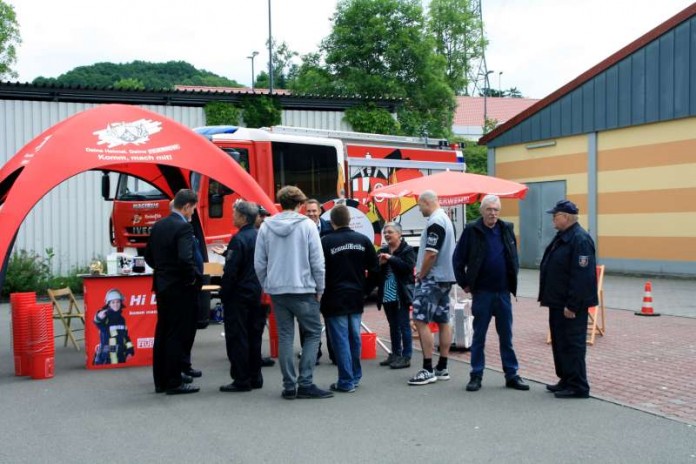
595	319
60	297
212	270
596	314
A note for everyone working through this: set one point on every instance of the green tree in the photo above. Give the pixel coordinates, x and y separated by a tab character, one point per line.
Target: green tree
489	124
261	111
130	84
9	40
476	158
378	48
221	114
458	34
369	118
513	92
312	77
152	75
284	68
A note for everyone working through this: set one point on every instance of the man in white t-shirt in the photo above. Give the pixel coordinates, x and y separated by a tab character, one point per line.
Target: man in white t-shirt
434	279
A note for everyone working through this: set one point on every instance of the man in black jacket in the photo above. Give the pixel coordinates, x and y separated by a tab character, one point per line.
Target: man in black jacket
486	265
245	319
348	255
568	287
176	281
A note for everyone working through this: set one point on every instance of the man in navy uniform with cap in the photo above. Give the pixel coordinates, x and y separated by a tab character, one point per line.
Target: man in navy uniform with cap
568	287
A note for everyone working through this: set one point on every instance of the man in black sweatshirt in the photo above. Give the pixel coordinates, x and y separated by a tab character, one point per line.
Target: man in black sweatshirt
348	255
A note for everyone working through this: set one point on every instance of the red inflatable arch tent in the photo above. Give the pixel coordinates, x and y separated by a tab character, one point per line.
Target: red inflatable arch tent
119	138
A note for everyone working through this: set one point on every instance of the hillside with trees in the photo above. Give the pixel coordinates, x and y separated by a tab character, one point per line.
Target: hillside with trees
138	75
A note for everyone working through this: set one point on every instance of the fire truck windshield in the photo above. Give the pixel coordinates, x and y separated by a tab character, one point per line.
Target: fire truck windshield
133	189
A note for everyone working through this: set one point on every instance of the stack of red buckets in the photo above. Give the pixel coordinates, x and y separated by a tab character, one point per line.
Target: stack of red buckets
32	329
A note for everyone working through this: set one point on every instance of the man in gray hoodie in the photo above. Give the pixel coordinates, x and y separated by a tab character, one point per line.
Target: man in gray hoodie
289	263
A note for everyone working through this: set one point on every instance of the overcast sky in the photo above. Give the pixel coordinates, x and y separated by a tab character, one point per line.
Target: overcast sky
539	45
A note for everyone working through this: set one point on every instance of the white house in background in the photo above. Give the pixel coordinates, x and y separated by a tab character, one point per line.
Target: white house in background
469	115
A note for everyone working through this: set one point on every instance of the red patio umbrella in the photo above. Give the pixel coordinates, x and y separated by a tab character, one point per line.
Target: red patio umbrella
454	188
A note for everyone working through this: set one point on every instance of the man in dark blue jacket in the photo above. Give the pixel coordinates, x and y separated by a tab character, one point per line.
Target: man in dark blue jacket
568	287
486	265
348	255
245	319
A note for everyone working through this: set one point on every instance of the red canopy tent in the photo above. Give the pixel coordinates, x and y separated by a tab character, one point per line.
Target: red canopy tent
120	138
454	188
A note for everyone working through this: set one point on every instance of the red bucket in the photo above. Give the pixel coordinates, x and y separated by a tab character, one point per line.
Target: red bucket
22	364
369	345
42	366
22	306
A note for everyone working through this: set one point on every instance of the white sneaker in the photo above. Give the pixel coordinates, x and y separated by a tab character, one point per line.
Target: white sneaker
422	377
442	374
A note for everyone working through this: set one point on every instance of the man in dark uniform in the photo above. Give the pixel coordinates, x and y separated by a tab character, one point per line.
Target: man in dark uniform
348	254
176	281
568	287
245	319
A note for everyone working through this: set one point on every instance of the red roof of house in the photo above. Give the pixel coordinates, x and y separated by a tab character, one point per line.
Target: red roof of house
469	110
634	46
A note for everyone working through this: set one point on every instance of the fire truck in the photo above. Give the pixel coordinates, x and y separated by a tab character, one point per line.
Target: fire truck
327	165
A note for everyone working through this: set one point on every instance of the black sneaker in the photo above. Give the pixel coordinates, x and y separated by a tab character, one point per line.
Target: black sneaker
290	394
474	383
401	362
390	359
313	392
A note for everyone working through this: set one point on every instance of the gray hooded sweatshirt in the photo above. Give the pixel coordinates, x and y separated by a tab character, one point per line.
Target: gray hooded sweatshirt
289	257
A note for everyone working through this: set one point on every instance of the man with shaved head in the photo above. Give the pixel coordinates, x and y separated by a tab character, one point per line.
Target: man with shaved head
434	278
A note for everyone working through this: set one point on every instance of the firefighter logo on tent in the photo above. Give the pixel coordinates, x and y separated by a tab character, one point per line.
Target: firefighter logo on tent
123	133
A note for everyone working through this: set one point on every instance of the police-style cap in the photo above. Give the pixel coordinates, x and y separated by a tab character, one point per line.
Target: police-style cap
564	206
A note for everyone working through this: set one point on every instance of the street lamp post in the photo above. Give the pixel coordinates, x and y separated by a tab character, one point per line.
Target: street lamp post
486	89
270	52
251	57
500	87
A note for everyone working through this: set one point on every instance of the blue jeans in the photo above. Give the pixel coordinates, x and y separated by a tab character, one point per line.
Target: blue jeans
346	343
305	308
399	329
484	306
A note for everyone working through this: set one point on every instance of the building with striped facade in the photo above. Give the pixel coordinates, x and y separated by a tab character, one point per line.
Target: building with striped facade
620	142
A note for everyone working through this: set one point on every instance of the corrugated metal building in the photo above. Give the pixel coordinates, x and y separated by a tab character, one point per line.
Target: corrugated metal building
72	219
620	141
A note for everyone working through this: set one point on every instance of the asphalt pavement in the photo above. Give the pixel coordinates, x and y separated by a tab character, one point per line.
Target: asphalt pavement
114	415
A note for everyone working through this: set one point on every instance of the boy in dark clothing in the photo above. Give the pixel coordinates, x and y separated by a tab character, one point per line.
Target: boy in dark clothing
348	255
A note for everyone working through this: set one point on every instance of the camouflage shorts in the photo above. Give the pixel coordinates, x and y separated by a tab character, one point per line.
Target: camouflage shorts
431	302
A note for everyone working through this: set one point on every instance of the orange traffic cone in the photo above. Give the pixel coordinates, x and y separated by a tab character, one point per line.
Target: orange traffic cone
647	309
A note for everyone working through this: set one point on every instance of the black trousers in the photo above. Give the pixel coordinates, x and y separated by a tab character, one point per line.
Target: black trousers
190	333
244	326
172	332
569	346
